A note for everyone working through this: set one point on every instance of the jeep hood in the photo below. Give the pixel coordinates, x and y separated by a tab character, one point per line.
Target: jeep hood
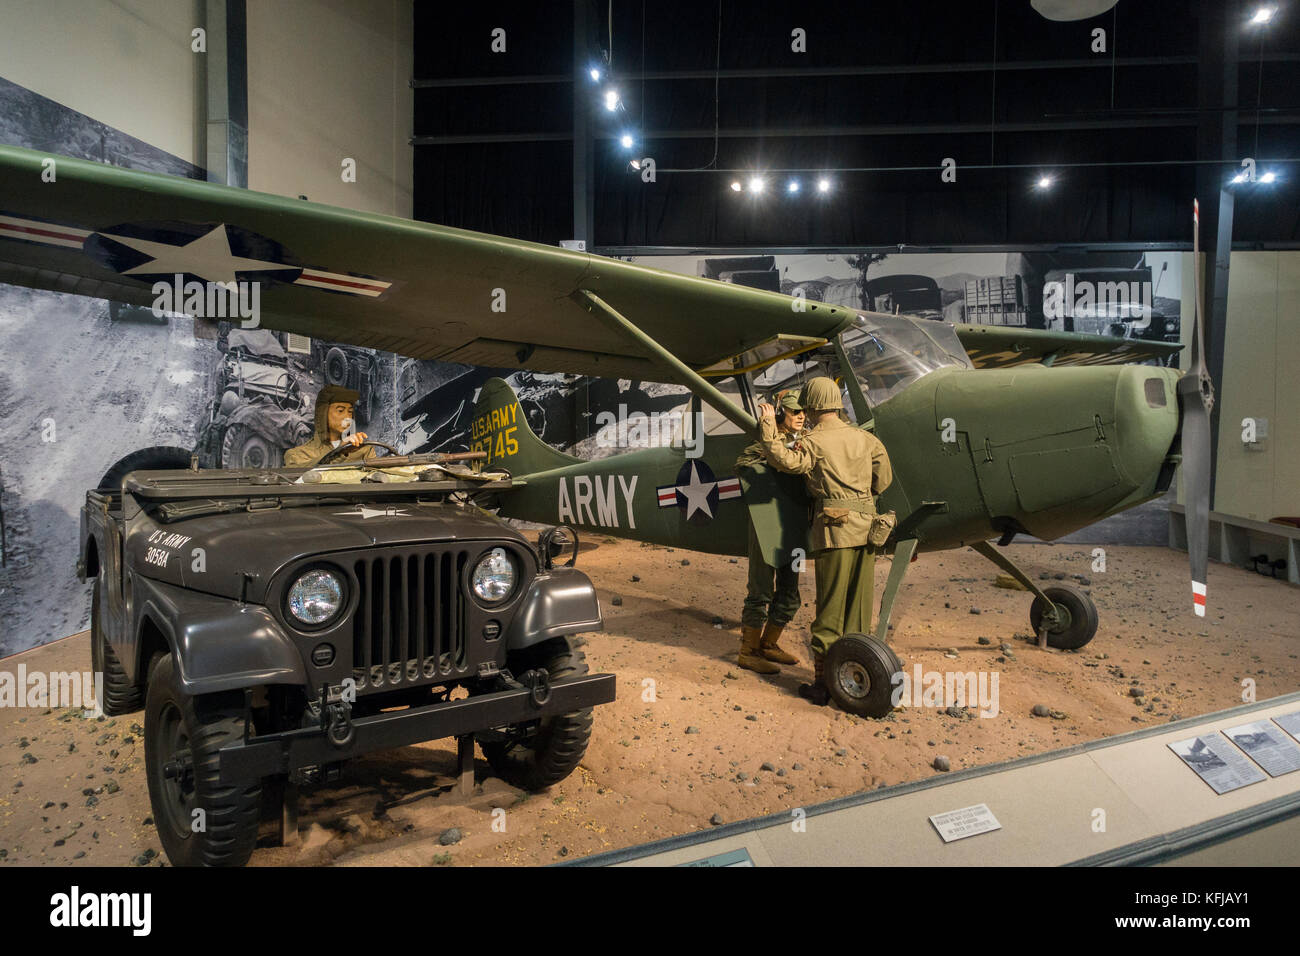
218	553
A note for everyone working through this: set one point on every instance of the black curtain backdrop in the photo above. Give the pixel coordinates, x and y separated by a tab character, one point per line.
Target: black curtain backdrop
1055	100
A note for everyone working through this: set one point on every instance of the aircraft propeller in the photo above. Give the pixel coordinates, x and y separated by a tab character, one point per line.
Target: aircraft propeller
1195	402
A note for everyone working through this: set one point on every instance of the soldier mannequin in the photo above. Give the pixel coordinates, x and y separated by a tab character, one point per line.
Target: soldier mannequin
334	411
843	468
768	606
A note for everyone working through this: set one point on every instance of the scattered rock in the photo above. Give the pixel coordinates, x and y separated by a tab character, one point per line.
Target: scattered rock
768	766
942	764
1135	691
732	675
692	729
842	752
686	562
975	610
616	601
750	717
716	819
636	578
797	766
450	836
1041	710
983	640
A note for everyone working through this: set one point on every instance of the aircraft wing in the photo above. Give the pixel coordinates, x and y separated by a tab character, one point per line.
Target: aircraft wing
413	288
1001	347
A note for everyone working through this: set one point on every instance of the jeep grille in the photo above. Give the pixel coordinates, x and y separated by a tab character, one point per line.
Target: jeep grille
410	620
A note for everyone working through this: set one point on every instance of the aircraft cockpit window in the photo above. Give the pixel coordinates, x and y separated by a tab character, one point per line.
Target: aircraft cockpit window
889	352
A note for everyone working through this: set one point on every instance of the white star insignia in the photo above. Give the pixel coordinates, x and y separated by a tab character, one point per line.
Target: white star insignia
697	493
208	257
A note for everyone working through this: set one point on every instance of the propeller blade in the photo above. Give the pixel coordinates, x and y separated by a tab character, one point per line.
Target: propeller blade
1195	402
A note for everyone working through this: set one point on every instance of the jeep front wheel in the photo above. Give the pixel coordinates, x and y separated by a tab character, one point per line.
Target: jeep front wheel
200	821
121	695
543	753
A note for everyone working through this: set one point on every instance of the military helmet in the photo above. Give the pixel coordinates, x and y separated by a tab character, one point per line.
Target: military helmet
821	394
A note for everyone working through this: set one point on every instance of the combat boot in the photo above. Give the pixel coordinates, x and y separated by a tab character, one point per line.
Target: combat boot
750	656
816	692
771	650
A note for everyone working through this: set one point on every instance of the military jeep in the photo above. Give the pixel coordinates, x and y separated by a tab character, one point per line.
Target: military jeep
275	623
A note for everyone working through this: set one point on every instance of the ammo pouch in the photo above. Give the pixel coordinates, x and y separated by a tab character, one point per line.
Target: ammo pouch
882	526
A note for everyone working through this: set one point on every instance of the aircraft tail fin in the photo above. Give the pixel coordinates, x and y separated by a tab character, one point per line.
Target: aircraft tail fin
501	427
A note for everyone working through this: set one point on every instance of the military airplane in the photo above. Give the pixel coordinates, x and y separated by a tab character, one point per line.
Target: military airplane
993	432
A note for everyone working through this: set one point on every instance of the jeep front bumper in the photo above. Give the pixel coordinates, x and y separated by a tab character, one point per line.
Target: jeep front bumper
281	753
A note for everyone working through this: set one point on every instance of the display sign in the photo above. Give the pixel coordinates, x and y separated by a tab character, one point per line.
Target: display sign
966	822
1217	762
1267	746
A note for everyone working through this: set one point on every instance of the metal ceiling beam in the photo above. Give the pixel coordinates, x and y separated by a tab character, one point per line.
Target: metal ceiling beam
796	73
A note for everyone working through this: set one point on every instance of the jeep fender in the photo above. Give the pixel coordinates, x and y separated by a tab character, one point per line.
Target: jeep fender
217	643
560	601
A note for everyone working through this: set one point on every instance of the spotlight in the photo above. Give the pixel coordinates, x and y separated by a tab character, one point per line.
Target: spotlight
611	100
823	185
1239	178
793	186
1044	182
1269	177
595	75
756	185
626	140
1263	15
735	186
635	164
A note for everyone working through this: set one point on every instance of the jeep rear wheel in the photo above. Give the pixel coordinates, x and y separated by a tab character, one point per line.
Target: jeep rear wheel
539	755
120	693
200	821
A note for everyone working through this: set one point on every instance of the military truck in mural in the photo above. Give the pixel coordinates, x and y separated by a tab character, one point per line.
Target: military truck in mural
273	624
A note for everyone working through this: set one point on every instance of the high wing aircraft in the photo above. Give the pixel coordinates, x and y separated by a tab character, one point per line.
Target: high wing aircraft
992	432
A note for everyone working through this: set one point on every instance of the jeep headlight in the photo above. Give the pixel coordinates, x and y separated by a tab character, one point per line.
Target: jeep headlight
315	597
494	576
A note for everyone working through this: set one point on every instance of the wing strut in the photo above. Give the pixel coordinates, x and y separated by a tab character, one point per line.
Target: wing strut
687	375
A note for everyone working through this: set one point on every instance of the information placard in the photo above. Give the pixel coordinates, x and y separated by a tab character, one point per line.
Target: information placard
966	822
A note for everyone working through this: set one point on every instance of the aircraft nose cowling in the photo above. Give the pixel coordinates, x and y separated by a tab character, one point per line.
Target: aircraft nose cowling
1146	421
1056	449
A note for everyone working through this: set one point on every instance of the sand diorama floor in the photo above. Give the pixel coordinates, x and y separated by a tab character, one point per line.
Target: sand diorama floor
693	740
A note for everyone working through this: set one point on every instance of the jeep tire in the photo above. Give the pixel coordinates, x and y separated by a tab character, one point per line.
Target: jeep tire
121	694
177	726
546	753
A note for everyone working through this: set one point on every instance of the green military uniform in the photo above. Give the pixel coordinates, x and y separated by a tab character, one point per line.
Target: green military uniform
320	443
773	592
843	467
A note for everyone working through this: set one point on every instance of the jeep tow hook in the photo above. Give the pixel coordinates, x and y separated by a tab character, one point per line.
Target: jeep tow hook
339	730
538	683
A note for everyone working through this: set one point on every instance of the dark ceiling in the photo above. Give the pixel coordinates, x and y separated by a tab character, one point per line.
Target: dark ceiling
1128	136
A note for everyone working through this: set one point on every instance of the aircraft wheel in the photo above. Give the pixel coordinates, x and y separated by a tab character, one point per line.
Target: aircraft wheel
860	675
1077	617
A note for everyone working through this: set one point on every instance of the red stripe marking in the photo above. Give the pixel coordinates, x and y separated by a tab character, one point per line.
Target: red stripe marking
43	232
1198	599
317	277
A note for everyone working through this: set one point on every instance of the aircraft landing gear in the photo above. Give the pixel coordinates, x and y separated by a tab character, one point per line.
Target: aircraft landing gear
1076	617
1062	616
860	673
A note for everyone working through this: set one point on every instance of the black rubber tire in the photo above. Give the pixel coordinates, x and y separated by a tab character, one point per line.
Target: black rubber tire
335	367
859	675
1082	624
205	724
241	447
121	694
154	458
555	748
